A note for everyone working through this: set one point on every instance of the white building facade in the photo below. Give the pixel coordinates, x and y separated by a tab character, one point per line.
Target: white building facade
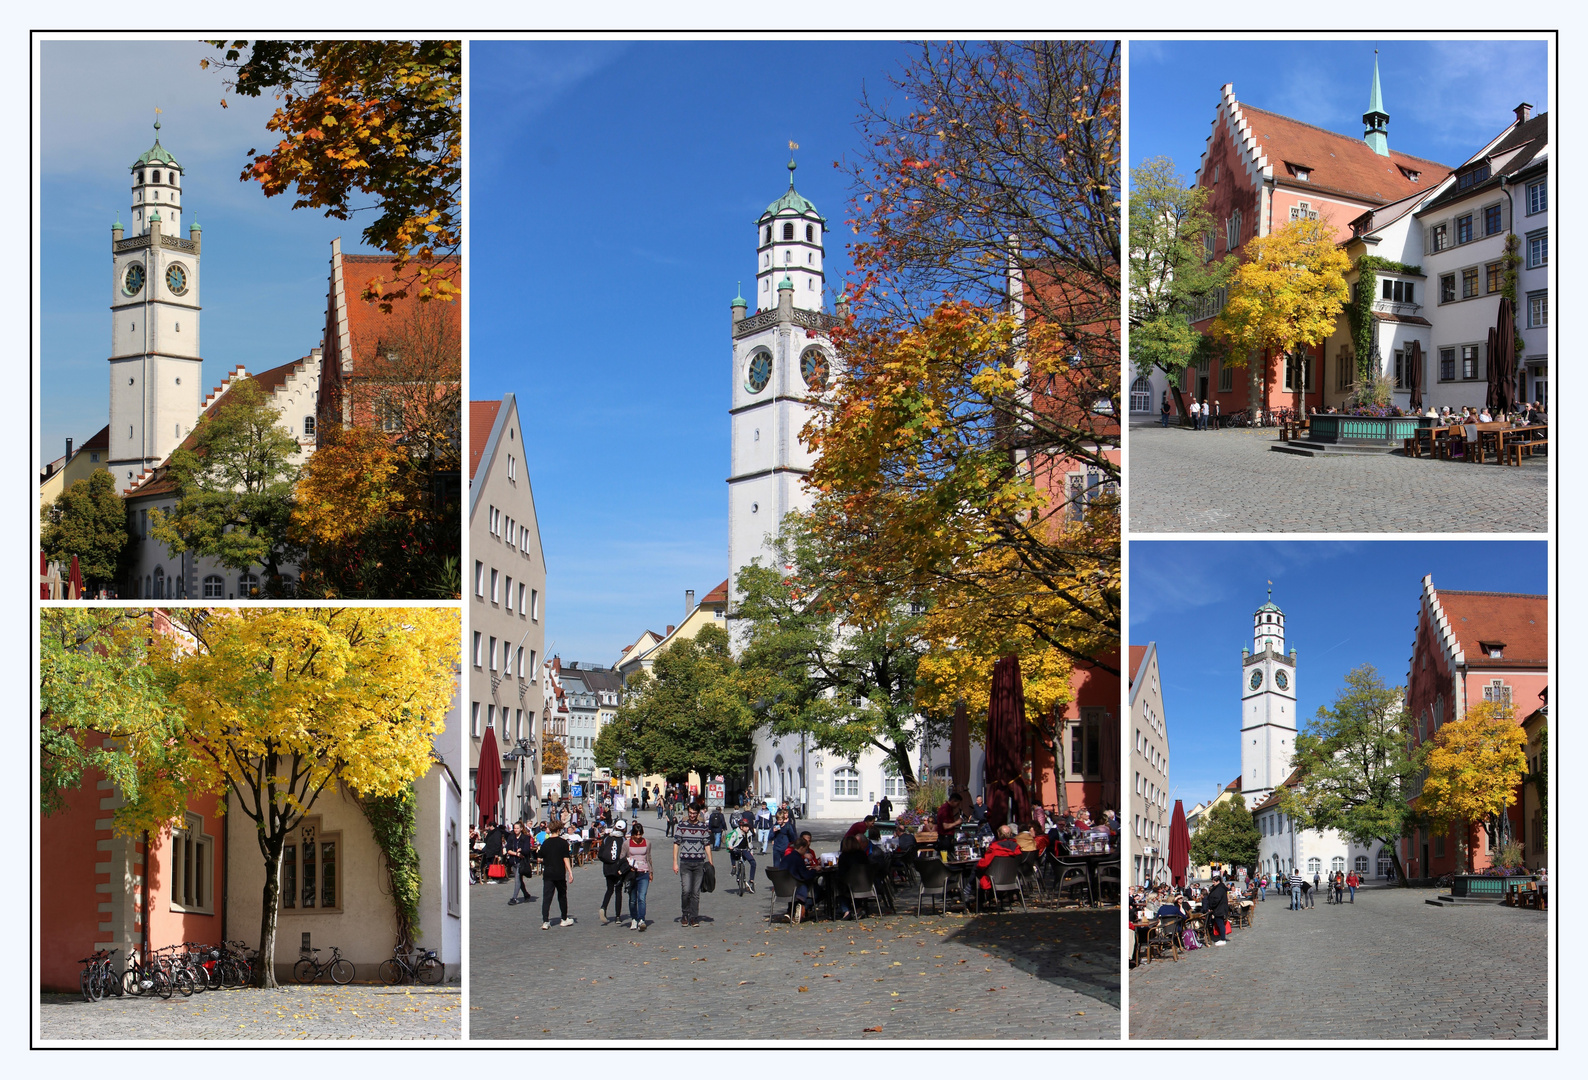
1149	804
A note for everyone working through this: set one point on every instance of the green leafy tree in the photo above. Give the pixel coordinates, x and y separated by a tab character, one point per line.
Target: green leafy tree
1228	835
687	713
88	520
851	684
1169	269
234	478
1355	766
378	118
102	706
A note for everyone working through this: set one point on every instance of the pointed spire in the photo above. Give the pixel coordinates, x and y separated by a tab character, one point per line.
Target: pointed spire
1376	120
1375	100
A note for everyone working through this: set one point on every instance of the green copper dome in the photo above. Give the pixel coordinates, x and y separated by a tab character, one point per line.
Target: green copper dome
792	200
156	154
786	283
1271	606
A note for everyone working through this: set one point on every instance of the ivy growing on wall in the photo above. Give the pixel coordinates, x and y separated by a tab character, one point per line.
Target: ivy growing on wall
1513	262
391	819
1360	310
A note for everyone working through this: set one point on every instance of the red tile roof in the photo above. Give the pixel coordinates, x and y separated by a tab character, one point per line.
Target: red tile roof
1138	653
1518	622
365	320
99	440
719	595
1338	164
482	418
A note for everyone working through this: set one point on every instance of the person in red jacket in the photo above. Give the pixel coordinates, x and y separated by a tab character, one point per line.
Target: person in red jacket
1003	845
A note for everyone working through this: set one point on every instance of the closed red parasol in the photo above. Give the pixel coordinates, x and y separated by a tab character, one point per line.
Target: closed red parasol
1179	844
1006	717
488	780
959	749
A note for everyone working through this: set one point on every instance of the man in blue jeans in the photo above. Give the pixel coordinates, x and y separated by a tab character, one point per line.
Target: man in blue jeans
1295	891
691	853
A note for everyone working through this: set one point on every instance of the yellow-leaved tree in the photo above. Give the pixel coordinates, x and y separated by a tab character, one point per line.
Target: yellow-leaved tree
1475	766
280	704
1288	292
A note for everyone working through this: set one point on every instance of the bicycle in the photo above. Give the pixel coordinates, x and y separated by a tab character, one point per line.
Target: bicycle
309	968
237	964
97	978
421	966
741	871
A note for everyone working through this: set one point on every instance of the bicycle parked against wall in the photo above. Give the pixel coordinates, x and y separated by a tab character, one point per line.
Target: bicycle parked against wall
421	966
237	963
309	968
98	978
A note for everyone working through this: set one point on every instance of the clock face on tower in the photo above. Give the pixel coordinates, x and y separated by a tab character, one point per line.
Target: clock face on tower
1257	679
132	283
760	372
1280	680
813	368
176	278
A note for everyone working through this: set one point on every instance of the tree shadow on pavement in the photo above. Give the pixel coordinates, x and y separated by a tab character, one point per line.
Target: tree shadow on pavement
1075	949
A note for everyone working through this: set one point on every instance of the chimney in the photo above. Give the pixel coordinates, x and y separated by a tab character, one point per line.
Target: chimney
670	629
68	449
689	594
1524	113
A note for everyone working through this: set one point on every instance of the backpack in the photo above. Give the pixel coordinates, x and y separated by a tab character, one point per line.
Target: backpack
610	846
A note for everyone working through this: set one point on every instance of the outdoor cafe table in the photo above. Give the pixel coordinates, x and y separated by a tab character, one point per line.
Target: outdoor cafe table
1091	863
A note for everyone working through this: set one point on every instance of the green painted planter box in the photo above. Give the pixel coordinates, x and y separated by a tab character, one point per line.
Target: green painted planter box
1364	430
1477	885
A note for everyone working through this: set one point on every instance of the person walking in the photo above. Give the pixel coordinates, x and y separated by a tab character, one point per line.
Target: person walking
637	853
1196	414
556	871
1217	905
1351	882
763	826
613	869
672	815
719	827
521	860
1218	413
1163	410
783	837
1295	890
1316	882
691	855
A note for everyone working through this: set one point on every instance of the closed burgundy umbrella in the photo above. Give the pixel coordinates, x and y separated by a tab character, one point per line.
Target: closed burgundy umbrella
959	749
1415	376
1491	400
1006	714
76	591
488	780
1505	356
1179	844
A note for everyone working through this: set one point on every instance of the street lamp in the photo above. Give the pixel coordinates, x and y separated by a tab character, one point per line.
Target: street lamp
623	770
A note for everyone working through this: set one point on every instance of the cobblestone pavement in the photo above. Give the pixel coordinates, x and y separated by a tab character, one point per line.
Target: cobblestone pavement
1046	974
291	1012
1230	481
1389	966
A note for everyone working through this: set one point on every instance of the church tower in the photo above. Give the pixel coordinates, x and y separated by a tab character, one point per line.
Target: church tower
1376	120
782	366
156	381
1268	705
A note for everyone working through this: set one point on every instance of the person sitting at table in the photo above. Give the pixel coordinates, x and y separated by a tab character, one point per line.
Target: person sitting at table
851	853
799	861
1004	844
1217	905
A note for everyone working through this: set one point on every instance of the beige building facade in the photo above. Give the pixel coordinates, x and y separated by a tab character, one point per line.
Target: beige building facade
1150	806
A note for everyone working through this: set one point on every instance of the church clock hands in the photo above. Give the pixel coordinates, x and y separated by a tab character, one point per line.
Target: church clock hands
1280	680
760	372
1257	679
176	278
132	284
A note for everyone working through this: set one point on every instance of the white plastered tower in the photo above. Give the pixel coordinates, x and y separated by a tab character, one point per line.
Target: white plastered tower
782	365
1268	705
156	384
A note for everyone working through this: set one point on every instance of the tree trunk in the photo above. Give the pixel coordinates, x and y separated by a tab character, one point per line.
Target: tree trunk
1393	847
270	908
1254	389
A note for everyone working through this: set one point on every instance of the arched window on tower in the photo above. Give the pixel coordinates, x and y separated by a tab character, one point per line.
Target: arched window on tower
140	176
788	230
157	176
768	239
810	234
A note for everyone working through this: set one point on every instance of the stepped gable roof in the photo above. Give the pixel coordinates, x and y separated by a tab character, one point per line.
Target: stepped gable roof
366	322
1517	622
1138	653
482	418
1525	144
1339	164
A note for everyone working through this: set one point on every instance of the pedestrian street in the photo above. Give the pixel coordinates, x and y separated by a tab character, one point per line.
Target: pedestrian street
1389	966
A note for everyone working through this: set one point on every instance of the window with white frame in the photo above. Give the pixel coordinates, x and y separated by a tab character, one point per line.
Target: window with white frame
512	467
1234	236
1469	362
247	585
1298	366
214	587
1361	865
1314	865
521	611
1537	309
1303	211
192	866
490	716
493	652
1140	396
496	593
893	783
311	870
479	658
1440	237
474	719
846	783
1537	197
534	605
479	578
1537	249
1337	864
507	593
1498	692
521	672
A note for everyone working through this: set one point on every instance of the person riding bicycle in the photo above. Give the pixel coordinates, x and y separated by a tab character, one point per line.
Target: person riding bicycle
739	848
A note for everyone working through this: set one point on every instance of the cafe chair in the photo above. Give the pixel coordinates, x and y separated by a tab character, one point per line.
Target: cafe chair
1004	873
1029	870
1074	868
858	883
1165	940
784	891
934	882
1108	874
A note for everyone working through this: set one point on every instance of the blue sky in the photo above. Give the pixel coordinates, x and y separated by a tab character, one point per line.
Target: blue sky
1345	604
264	265
613	194
1445	99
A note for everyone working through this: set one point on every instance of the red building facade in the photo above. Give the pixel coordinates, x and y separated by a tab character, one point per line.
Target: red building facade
1472	647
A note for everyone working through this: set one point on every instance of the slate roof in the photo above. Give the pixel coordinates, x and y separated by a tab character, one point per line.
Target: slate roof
1518	622
1339	164
1525	143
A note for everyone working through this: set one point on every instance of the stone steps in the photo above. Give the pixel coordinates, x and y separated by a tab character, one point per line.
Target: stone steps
1334	450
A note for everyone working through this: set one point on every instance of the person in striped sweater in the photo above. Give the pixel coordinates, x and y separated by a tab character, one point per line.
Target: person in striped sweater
1296	882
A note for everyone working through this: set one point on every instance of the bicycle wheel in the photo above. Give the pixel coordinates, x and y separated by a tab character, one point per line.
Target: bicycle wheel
130	982
85	983
430	971
390	971
110	980
200	977
162	983
305	970
183	981
342	972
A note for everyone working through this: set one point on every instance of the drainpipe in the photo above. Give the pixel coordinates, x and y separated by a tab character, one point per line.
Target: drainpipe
226	861
148	941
